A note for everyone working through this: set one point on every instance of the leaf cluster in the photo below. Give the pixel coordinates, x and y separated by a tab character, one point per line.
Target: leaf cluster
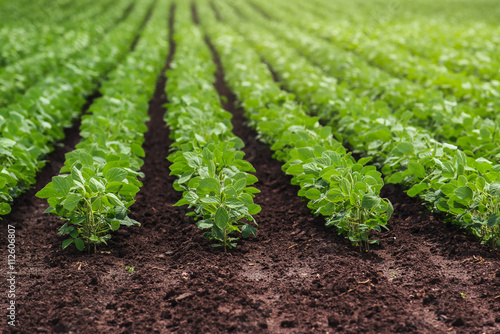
99	181
207	158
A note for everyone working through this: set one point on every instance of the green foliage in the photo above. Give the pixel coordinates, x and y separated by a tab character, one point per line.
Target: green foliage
437	172
212	174
30	128
99	181
345	192
93	199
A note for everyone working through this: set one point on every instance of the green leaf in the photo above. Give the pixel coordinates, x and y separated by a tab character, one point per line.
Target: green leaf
390	209
295	170
493	221
120	212
240	184
191	197
233	203
495	189
77	175
210	184
80	245
210	200
62	184
364	161
247	230
254	209
115	225
313	194
116	174
417	189
47	191
67	242
84	157
114	200
96	185
72	201
416	169
464	193
5	208
403	148
221	218
370	201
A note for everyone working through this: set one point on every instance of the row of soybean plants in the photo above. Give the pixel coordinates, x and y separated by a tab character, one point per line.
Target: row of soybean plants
468	46
447	120
207	157
20	40
35	14
99	180
402	63
78	37
337	186
30	127
465	187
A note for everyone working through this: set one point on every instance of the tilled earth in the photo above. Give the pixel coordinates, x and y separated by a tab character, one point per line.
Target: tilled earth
297	276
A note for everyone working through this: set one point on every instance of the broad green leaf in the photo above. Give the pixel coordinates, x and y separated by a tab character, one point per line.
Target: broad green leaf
116	174
254	209
464	193
403	148
120	212
115	225
493	221
48	191
80	245
5	209
295	170
67	242
417	189
313	194
96	185
210	184
84	157
233	203
114	200
416	169
191	197
221	218
181	202
77	175
210	200
247	230
62	184
71	202
370	201
240	184
495	189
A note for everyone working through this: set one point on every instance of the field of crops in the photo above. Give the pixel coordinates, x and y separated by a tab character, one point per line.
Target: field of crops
250	166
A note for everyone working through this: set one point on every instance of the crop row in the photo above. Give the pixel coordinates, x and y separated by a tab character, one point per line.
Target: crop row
17	77
207	157
466	188
338	187
444	118
30	128
22	40
99	181
468	46
400	62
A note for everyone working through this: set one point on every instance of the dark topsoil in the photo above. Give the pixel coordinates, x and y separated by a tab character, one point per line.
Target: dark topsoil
296	277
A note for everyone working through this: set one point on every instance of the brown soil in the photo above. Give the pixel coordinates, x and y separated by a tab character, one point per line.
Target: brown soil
297	276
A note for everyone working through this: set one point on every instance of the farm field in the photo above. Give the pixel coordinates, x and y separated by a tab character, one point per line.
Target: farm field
250	166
